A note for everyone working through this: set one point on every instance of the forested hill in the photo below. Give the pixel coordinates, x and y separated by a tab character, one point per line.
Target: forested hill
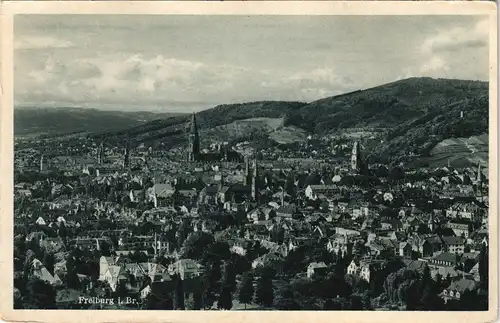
172	130
387	105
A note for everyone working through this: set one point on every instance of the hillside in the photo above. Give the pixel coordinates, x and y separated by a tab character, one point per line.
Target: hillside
407	118
459	152
221	119
52	121
420	135
384	106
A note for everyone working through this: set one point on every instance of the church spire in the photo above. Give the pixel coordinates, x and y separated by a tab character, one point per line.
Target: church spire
194	125
254	179
42	163
194	140
356	162
126	155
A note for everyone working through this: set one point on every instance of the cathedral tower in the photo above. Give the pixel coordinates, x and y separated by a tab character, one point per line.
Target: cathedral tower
42	164
248	175
254	187
193	141
356	163
126	155
100	153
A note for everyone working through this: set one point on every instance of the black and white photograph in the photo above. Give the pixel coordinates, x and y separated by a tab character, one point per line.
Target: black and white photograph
252	162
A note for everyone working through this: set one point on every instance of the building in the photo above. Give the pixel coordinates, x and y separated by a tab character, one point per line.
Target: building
316	268
186	269
340	244
43	166
461	228
454	245
356	158
365	268
194	153
313	191
193	141
126	156
457	288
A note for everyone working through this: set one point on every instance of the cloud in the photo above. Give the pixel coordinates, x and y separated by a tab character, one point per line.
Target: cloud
90	66
434	64
41	42
133	78
457	52
311	85
449	40
145	80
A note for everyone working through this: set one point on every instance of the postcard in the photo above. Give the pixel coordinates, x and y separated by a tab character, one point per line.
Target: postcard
249	161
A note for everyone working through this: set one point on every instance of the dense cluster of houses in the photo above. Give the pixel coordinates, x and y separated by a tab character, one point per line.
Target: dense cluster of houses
434	217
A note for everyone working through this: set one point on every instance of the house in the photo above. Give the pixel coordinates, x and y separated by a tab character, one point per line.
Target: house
405	250
457	288
190	195
268	259
186	269
262	213
240	247
104	264
111	272
160	192
286	211
348	232
417	265
38	236
41	221
421	245
340	244
23	192
376	248
39	271
444	259
463	210
146	270
365	268
60	268
313	191
316	269
454	245
136	196
460	227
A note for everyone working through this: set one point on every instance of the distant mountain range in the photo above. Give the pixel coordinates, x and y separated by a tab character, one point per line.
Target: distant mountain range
417	114
62	120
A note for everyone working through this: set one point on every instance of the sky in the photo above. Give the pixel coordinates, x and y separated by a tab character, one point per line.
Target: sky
190	63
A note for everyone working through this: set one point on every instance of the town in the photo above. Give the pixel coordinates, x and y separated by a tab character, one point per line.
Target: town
224	227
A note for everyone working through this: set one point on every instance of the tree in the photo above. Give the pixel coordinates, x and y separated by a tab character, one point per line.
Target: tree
121	289
211	283
396	174
216	252
196	244
225	300
264	294
179	293
483	267
154	302
39	295
48	261
229	277
72	280
246	289
286	299
197	300
105	249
